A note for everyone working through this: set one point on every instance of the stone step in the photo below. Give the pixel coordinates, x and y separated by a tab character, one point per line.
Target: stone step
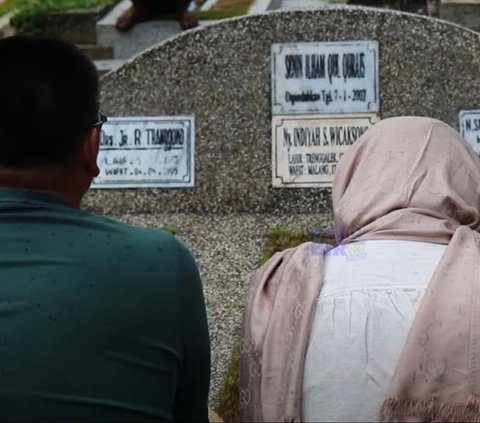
96	52
300	4
141	37
105	66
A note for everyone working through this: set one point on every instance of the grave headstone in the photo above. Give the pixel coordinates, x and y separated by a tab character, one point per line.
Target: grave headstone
222	76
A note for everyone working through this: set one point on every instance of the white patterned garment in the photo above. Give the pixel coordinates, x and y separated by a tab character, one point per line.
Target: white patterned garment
371	292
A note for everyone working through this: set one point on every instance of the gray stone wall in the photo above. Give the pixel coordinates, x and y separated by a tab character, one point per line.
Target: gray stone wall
221	74
462	12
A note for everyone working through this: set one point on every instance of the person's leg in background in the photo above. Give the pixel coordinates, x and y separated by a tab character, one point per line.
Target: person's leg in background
185	18
144	10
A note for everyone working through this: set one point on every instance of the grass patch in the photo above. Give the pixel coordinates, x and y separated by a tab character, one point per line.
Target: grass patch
227	403
224	9
8	6
278	238
172	229
32	13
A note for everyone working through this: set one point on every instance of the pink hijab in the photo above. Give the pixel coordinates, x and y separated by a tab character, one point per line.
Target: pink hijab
407	178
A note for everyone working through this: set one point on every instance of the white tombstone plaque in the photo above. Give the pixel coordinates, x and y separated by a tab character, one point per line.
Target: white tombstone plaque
325	77
142	152
306	149
470	128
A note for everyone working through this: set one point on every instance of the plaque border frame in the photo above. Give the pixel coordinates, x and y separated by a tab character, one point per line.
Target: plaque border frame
189	124
376	82
372	118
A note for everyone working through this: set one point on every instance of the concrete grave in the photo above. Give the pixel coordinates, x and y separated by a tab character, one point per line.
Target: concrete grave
221	75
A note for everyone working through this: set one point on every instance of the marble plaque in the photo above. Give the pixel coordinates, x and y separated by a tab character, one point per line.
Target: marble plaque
325	77
470	128
306	149
144	152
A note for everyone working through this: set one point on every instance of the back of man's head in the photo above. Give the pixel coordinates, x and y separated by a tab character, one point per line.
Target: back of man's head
48	101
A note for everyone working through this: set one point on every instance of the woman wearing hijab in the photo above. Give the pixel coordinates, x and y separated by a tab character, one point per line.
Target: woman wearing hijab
387	324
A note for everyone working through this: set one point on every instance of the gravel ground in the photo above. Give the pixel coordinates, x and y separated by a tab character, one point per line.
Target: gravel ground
227	249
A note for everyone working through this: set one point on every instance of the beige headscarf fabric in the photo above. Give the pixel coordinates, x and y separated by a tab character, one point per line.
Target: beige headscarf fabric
407	178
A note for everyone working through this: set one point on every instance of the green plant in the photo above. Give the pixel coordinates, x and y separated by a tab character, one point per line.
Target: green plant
172	229
227	403
8	6
31	15
279	238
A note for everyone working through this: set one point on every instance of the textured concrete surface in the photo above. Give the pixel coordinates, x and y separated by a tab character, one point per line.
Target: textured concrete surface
227	249
462	12
221	74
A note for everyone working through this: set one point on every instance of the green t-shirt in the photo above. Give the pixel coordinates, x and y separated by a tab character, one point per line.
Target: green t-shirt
99	320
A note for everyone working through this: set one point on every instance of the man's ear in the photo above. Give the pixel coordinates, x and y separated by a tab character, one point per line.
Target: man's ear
90	151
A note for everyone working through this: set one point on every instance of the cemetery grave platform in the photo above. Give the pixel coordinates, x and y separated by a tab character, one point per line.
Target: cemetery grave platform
222	75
